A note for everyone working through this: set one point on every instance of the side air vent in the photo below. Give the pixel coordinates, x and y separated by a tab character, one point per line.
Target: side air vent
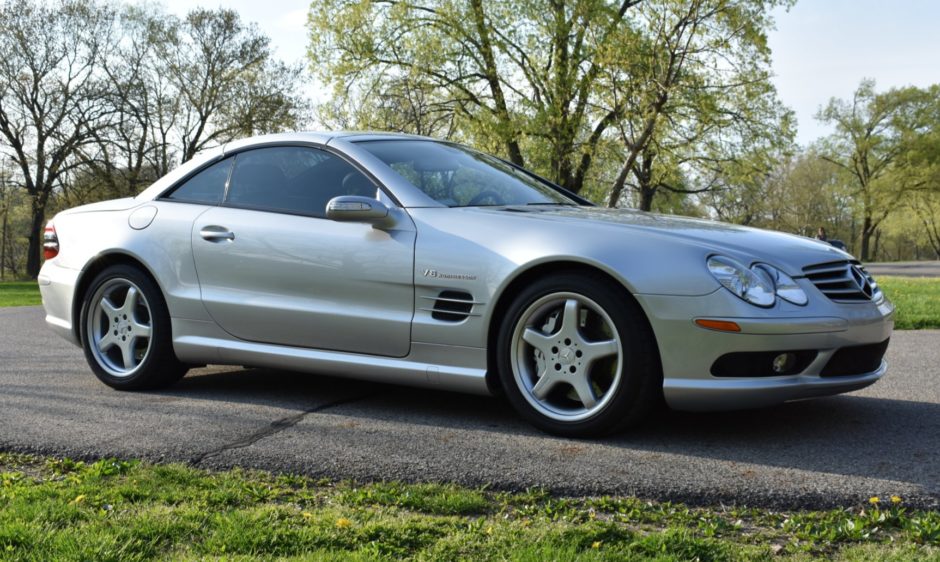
843	281
452	306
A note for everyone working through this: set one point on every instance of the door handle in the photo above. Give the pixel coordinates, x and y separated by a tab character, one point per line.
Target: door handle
216	233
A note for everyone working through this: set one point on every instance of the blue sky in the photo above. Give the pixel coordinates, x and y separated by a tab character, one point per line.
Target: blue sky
822	48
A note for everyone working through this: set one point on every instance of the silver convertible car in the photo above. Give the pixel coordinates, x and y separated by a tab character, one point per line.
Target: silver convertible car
408	260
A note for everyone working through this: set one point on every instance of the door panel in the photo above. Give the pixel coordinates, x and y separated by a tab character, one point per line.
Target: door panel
272	269
306	282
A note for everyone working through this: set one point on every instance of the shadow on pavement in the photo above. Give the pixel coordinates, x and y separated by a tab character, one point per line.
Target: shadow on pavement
850	435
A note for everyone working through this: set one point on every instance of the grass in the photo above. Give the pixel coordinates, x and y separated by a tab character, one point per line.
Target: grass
19	293
917	301
58	509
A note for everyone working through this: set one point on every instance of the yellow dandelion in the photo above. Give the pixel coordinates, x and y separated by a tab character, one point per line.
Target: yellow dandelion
874	500
306	515
596	544
77	500
489	530
895	499
343	523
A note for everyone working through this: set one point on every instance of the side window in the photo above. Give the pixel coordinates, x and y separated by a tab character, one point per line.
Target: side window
208	186
293	179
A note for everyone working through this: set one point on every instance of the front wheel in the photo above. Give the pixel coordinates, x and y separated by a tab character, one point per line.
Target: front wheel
577	358
126	332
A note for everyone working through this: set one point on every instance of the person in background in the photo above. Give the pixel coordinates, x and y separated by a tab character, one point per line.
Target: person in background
821	234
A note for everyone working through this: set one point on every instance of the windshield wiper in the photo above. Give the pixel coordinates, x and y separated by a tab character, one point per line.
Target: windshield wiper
552	203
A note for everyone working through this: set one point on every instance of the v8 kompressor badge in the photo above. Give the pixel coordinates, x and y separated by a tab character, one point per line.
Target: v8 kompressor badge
441	275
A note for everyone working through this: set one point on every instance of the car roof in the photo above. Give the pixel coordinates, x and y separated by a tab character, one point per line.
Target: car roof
319	137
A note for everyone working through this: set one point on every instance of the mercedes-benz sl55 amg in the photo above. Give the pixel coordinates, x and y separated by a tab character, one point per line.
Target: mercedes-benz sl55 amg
408	260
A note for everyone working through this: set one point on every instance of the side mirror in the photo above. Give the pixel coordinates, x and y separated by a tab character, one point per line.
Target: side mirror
354	208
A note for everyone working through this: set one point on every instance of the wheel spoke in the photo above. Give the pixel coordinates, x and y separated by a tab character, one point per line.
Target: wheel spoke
107	308
595	350
127	353
130	302
570	317
140	330
107	342
538	340
544	385
582	386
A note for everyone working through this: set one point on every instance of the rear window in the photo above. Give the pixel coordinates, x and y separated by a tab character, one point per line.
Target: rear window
207	186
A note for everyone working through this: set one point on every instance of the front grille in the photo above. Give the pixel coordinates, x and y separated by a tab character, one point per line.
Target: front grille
855	360
843	281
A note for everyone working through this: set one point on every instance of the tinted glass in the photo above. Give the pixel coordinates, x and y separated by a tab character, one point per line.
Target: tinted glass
459	177
208	186
293	179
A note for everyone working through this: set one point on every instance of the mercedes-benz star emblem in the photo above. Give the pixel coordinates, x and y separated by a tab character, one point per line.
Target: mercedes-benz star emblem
864	285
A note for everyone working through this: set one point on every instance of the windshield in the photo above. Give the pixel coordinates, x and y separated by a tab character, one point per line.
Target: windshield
459	177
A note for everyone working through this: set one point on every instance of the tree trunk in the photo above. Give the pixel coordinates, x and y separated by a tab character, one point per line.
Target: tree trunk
647	193
37	223
3	243
867	231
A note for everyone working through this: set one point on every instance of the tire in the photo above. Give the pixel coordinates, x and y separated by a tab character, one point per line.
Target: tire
126	331
577	358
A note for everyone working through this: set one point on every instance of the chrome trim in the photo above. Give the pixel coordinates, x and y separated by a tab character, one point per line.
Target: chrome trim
447	299
451	312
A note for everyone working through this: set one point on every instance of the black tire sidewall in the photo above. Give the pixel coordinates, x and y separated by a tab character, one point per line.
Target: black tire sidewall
160	367
640	377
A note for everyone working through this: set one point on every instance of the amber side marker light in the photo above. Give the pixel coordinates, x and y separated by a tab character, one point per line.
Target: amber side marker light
720	325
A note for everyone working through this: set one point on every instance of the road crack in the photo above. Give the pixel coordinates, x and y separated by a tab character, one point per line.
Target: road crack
274	428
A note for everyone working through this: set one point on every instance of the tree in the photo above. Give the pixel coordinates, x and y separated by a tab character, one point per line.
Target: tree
51	98
225	80
177	86
696	98
554	85
520	73
873	132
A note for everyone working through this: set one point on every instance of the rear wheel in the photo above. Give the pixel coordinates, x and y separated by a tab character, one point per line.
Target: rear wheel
126	332
577	358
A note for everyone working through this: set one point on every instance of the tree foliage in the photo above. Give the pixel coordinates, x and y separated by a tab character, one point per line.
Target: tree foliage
51	94
677	90
875	137
98	100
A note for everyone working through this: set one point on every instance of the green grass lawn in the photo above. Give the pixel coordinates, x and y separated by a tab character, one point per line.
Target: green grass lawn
917	301
19	293
57	509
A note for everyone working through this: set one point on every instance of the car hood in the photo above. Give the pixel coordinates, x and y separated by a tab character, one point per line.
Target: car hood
787	251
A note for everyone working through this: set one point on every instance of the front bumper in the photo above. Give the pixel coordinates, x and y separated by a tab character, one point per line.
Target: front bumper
688	351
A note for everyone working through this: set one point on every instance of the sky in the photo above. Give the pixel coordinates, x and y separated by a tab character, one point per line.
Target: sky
821	48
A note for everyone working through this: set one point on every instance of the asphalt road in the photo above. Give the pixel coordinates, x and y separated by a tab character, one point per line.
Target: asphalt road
835	451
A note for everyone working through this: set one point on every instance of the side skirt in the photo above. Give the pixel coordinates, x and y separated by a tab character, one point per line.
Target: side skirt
455	368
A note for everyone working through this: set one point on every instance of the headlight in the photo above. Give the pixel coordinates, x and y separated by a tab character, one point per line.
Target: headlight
784	285
746	284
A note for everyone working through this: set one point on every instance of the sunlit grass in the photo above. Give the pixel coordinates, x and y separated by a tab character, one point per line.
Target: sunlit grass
917	301
58	509
19	293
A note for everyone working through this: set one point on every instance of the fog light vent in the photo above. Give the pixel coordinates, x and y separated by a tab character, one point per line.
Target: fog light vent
763	363
783	363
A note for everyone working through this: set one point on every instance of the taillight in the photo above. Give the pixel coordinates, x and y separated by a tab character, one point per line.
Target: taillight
50	242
